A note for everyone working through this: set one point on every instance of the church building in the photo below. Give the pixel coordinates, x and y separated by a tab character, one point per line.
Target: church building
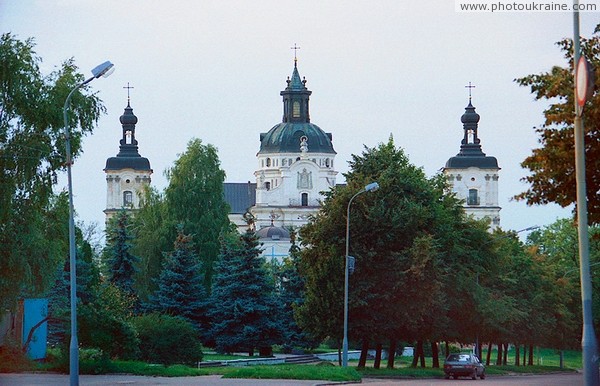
295	163
472	175
127	173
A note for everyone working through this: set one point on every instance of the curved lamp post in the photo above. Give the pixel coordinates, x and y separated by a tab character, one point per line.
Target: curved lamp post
104	69
373	186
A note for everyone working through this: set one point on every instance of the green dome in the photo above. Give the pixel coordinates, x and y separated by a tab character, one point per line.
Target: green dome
286	137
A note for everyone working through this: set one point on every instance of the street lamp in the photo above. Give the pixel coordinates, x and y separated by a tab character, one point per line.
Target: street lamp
373	186
104	69
589	345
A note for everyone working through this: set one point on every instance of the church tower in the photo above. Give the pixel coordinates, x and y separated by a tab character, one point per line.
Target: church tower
127	173
472	175
295	162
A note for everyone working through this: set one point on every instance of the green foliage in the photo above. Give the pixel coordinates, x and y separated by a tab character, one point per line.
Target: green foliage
412	245
167	339
552	166
122	264
180	286
31	133
105	324
337	374
243	312
194	199
291	287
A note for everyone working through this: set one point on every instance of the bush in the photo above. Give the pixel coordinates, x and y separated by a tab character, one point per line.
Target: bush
13	360
167	339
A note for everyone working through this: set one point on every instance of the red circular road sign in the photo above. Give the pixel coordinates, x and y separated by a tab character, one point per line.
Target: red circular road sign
584	81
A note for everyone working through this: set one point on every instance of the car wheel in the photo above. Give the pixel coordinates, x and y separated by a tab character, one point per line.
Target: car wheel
482	376
474	375
446	376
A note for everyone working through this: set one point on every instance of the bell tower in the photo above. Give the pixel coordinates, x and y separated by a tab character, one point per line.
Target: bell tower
472	175
128	173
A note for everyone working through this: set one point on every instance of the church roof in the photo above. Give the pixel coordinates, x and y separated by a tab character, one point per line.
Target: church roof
274	233
128	156
287	136
470	154
240	196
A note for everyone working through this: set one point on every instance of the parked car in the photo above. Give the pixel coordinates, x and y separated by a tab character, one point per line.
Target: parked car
463	365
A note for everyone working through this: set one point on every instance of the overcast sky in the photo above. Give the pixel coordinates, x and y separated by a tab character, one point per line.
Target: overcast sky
214	69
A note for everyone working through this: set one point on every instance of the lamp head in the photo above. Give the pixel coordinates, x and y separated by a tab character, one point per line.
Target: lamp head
373	186
104	69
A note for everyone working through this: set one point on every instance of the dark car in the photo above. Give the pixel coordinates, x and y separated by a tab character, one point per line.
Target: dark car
463	365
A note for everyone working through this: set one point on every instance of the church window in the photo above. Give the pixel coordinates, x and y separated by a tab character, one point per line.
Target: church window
268	185
473	199
304	199
283	162
128	137
127	198
296	109
290	161
326	162
268	162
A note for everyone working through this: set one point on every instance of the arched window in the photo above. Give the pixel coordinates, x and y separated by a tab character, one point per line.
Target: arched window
304	199
473	199
268	162
326	162
127	198
296	109
268	185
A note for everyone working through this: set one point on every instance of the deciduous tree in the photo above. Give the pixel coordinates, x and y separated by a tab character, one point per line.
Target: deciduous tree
552	165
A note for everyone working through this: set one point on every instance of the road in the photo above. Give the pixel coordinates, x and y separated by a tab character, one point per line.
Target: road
216	380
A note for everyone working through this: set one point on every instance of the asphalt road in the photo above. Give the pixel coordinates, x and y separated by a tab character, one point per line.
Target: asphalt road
216	380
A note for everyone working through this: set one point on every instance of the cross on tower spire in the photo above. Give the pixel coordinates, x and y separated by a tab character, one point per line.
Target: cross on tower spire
469	87
295	48
128	87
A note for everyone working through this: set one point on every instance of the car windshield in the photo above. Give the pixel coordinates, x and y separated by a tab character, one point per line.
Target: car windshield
458	358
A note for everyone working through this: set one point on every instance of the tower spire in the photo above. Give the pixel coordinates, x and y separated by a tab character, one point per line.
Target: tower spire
295	48
469	86
128	87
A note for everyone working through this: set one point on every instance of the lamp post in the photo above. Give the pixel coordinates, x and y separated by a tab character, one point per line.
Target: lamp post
373	186
104	69
589	344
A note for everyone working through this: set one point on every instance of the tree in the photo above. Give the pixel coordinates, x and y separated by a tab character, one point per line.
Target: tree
409	239
181	290
122	264
244	310
31	154
195	199
552	166
291	288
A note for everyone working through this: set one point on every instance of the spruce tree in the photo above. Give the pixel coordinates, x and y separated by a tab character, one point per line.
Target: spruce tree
291	296
121	262
244	312
181	290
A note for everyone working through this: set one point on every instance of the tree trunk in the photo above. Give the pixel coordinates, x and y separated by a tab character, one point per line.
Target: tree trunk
391	354
562	359
251	352
339	356
377	363
447	349
524	354
415	356
517	355
421	353
489	354
499	359
362	362
505	355
435	355
530	361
